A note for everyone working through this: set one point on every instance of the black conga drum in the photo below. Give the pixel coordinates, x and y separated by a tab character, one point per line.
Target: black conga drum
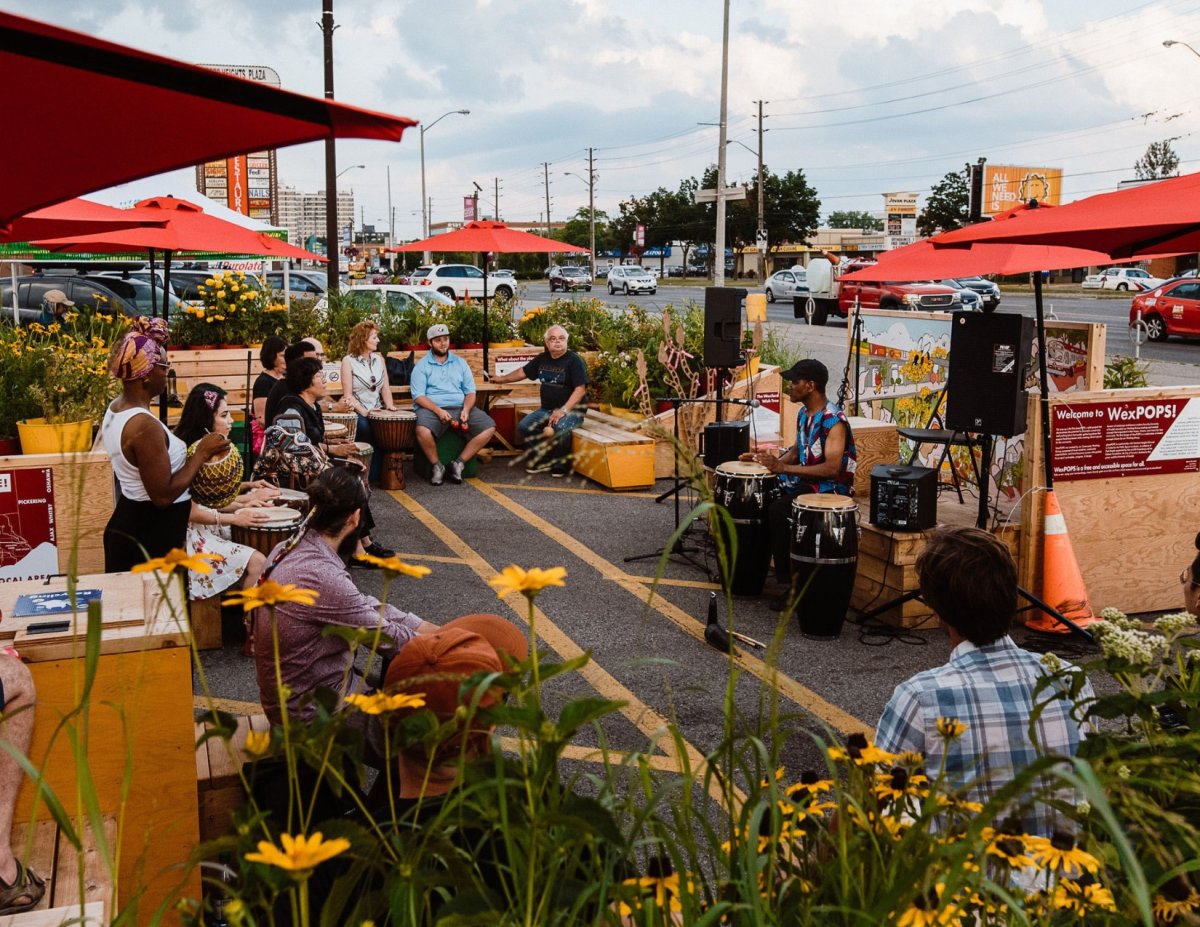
824	549
746	490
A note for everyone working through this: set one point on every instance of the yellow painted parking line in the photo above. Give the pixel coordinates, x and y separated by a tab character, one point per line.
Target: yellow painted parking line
684	583
597	756
570	489
641	715
807	699
430	558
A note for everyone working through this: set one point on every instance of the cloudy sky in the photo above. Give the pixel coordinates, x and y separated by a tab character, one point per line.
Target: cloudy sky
865	98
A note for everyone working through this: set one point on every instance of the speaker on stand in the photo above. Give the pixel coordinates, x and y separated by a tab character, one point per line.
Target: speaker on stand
989	354
723	326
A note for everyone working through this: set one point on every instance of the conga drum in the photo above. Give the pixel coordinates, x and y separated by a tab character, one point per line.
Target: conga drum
824	552
281	524
395	431
746	491
218	482
348	419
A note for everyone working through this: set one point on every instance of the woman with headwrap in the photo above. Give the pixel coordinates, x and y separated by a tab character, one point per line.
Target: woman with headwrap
151	465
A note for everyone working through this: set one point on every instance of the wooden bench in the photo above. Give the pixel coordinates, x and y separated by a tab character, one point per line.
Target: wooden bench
605	449
205	619
233	371
218	783
55	860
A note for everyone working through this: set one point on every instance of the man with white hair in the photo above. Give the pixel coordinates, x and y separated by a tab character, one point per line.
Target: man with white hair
547	430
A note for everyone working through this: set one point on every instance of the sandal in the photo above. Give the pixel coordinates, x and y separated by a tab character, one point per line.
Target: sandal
28	885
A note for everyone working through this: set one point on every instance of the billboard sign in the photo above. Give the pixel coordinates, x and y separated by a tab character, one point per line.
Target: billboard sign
1125	438
1006	186
900	212
468	209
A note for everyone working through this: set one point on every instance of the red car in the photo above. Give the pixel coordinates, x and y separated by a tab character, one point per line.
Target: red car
1171	309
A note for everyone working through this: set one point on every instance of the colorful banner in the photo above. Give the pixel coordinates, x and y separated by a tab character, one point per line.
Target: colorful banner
1132	437
28	532
237	200
1006	186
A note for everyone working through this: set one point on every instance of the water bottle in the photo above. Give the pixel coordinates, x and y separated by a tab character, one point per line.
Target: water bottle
220	894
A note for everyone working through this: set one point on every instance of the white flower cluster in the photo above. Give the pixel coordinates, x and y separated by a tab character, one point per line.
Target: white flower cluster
1124	772
1112	614
1052	662
1176	623
1119	640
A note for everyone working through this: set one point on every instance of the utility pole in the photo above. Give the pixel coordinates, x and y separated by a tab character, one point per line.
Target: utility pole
592	209
496	180
332	238
762	211
546	175
391	210
719	266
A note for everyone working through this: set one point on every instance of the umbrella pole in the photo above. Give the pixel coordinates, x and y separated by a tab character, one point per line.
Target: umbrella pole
486	334
153	288
12	272
1043	379
162	397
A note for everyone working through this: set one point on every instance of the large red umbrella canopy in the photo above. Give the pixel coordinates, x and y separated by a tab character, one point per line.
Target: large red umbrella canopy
925	261
185	227
145	115
74	217
491	237
1156	219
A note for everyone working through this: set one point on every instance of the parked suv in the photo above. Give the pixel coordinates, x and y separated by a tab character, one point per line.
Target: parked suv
570	278
31	291
460	281
631	278
988	291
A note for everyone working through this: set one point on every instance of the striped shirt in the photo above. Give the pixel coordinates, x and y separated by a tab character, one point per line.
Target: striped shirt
991	689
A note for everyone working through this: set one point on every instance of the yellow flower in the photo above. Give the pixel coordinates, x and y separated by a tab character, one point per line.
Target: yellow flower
1082	899
299	853
394	566
862	751
928	910
257	742
1178	897
810	784
1011	849
1060	852
197	563
897	784
220	294
379	703
528	583
247	294
234	287
211	281
269	592
664	889
951	727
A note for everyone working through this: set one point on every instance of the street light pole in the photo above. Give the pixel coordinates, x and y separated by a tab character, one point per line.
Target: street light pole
332	249
331	268
591	185
424	201
719	266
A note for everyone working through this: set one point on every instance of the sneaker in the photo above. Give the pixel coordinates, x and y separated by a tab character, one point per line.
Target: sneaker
378	550
437	475
558	471
539	468
456	470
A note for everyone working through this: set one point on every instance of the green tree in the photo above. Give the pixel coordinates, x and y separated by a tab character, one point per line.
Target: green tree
855	219
576	231
946	206
1159	161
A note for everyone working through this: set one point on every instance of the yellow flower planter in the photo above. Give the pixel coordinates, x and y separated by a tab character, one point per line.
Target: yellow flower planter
41	437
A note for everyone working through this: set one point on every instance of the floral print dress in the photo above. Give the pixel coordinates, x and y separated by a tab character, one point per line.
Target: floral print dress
209	539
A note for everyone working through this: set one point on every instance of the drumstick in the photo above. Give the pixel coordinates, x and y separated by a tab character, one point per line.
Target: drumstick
747	640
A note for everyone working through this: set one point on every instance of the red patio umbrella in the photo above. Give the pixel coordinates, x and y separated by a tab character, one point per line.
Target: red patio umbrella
197	115
924	260
1155	219
74	217
490	238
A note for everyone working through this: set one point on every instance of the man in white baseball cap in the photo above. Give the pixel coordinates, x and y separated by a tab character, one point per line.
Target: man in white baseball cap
443	391
54	306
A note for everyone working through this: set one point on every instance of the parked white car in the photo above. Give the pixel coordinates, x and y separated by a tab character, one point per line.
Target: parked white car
461	281
1122	278
373	297
785	284
631	278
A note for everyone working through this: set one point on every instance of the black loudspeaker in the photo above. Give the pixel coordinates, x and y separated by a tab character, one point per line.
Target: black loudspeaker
724	441
989	353
903	498
723	326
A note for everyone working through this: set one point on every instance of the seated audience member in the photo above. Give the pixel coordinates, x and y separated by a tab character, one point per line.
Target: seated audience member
274	363
279	389
365	385
435	665
1190	580
564	380
20	887
220	498
968	578
317	560
443	391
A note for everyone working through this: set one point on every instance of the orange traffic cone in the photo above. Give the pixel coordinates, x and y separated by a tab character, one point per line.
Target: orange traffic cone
1062	583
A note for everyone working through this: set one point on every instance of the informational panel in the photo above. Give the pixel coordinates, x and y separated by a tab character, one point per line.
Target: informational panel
1006	186
510	362
1132	437
28	530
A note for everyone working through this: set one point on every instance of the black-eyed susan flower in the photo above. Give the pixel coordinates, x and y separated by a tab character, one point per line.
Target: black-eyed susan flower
1081	899
299	854
269	592
810	784
861	751
1059	853
527	582
1176	898
1008	847
951	728
928	910
178	559
393	566
899	784
257	742
661	883
378	703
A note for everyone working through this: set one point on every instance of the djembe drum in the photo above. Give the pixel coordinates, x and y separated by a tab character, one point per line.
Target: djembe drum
746	491
348	419
294	499
281	524
218	482
395	432
335	432
824	548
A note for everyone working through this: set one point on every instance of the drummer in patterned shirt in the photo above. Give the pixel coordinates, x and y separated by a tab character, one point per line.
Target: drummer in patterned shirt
822	460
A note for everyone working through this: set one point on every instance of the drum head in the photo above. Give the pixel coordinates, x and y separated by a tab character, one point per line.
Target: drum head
741	468
824	502
292	495
279	516
335	430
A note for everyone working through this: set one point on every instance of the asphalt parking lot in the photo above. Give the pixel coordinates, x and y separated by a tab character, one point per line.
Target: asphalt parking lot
647	649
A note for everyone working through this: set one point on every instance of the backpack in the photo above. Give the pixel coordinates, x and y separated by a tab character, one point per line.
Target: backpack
399	369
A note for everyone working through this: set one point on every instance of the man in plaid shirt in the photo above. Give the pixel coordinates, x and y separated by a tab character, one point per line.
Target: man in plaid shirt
969	579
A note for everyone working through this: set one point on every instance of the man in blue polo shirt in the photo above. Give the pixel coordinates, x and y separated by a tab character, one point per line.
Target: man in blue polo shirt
443	391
